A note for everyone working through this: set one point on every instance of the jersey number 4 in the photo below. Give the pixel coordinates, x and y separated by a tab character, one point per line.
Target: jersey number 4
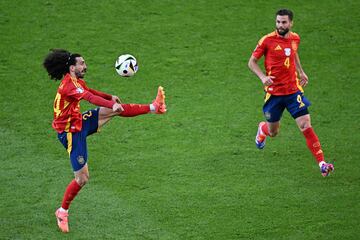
287	62
57	109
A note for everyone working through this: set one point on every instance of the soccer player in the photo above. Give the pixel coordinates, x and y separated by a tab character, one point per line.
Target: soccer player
283	84
72	127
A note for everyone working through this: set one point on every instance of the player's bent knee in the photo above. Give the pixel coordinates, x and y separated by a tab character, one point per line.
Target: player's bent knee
303	127
82	179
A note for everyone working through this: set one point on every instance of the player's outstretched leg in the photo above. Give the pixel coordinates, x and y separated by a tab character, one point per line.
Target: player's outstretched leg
326	169
62	220
159	102
260	138
131	110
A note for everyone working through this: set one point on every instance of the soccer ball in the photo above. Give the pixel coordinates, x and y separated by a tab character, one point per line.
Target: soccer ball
126	65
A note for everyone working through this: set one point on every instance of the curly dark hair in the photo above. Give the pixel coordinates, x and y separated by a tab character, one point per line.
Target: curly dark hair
57	62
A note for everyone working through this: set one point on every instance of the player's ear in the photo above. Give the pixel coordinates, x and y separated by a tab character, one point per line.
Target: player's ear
72	68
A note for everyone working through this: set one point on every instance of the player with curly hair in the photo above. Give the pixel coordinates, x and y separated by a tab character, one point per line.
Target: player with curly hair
73	127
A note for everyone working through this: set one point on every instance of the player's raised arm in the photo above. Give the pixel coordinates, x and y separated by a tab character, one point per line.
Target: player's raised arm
105	95
100	94
73	127
99	101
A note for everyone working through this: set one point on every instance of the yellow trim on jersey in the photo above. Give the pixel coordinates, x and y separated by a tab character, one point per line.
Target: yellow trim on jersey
69	142
75	83
264	37
294	34
66	103
298	83
267	96
67	127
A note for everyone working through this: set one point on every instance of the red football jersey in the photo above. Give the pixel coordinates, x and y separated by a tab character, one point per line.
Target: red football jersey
279	62
67	116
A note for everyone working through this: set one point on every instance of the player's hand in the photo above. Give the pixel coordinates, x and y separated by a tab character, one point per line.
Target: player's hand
117	107
267	80
304	80
116	99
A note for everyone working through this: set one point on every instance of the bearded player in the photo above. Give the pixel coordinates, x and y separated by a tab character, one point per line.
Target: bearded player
72	127
283	84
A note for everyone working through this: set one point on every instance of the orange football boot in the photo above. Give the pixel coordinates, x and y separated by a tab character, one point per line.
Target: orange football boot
159	102
62	220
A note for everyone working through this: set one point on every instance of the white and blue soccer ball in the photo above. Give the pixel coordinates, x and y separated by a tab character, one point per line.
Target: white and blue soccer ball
126	65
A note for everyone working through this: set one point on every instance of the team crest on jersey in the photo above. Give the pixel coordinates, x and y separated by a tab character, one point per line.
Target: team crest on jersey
294	45
79	90
287	52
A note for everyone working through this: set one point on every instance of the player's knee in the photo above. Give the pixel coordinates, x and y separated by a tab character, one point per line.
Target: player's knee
304	125
82	179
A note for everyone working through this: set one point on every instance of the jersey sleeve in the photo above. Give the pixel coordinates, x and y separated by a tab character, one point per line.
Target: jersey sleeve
73	91
97	100
260	48
295	41
100	94
95	92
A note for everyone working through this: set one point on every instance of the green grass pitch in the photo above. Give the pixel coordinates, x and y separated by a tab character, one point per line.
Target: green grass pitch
193	173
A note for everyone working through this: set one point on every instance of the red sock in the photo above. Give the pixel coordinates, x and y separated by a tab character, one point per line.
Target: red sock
313	144
132	110
71	191
265	129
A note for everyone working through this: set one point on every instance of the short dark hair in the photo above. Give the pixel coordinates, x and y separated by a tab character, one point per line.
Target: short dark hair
285	12
57	62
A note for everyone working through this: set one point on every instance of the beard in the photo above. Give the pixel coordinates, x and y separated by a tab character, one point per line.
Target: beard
282	32
79	74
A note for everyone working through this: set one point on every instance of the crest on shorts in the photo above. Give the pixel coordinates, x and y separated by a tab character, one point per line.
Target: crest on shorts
287	51
81	160
267	115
